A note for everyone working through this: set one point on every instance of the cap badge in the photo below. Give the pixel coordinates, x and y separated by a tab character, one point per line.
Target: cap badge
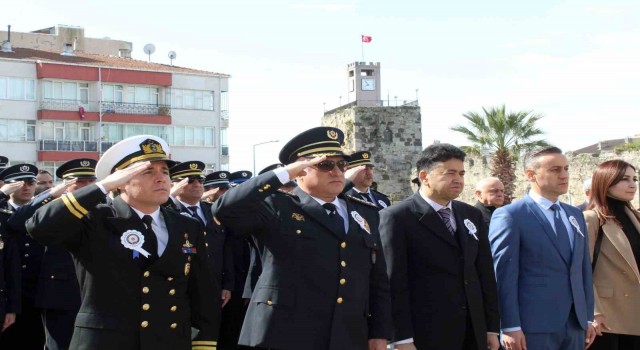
223	175
332	134
151	146
193	166
85	163
24	168
244	174
365	155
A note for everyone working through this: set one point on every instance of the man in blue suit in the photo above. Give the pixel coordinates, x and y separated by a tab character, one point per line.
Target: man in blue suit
543	268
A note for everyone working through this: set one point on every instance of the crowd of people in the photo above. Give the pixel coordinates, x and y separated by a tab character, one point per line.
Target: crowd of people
139	251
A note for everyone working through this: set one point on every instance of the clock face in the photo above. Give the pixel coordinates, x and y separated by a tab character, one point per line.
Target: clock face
368	84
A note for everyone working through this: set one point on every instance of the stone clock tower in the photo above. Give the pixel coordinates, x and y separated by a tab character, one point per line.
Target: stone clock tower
393	134
364	80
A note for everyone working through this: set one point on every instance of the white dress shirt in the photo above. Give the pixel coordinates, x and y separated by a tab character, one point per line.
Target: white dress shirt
159	228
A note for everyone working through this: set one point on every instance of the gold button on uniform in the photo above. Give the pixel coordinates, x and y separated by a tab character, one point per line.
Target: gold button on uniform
298	232
340	300
172	292
169	279
343	244
144	324
145	290
343	264
146	274
174	308
206	244
145	307
174	325
53	277
269	302
343	281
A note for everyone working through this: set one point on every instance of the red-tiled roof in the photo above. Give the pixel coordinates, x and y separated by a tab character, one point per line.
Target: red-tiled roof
86	59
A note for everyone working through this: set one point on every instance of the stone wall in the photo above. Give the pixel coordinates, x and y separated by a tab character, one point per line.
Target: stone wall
580	168
392	134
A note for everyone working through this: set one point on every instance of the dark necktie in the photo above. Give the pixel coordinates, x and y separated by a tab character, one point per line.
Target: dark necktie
445	215
194	212
150	242
561	233
336	219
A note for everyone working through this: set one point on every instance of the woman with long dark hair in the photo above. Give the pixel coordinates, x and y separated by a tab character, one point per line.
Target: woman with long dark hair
614	236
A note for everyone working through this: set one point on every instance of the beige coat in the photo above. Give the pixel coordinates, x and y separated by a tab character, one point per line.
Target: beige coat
616	278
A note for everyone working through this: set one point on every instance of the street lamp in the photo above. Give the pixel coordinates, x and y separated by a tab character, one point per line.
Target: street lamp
254	153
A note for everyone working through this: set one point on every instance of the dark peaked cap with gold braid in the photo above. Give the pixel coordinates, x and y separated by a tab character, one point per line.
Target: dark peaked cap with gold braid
320	141
192	168
132	150
81	168
360	158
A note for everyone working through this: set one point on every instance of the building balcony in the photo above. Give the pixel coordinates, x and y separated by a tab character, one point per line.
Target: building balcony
117	112
70	146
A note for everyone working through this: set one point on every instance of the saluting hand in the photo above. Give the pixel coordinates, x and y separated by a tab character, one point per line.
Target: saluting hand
9	188
297	168
58	190
9	319
121	177
209	193
352	173
178	187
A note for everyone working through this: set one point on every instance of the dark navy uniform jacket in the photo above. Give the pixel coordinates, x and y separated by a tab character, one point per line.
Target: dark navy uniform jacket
56	286
319	289
125	306
380	199
10	300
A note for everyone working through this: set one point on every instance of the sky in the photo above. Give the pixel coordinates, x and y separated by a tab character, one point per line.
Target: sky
574	61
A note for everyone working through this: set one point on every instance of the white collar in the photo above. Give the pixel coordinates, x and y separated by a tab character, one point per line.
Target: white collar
335	202
189	205
155	215
435	205
541	201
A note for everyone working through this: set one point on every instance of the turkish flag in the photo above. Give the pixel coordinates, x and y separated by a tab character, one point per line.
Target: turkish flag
366	39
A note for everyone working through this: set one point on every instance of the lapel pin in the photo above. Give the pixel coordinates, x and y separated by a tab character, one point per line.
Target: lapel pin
472	228
575	224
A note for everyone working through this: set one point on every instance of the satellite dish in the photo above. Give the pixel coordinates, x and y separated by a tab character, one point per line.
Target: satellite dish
149	49
172	56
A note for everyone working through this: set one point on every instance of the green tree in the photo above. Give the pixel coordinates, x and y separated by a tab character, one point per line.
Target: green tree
504	136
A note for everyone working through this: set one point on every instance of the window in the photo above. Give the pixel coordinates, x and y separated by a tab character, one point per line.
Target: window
72	92
208	137
17	130
17	88
190	99
65	131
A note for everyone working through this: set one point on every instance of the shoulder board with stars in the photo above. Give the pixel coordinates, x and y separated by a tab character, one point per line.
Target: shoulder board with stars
287	193
361	201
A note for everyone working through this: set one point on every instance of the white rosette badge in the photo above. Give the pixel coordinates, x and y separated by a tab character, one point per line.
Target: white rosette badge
134	240
361	221
575	224
472	228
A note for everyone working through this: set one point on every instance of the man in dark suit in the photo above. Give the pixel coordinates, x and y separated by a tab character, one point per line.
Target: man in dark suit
489	197
324	283
442	282
20	182
57	295
542	262
142	271
361	165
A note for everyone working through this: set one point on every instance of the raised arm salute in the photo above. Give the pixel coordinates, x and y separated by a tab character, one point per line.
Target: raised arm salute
141	268
324	283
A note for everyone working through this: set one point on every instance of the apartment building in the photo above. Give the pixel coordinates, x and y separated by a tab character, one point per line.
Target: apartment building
59	104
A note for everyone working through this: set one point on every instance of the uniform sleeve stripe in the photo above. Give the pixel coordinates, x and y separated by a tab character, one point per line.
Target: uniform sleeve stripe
204	342
75	203
202	347
70	207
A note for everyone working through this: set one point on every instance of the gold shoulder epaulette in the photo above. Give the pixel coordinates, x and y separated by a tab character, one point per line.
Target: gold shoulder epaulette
6	211
287	193
361	201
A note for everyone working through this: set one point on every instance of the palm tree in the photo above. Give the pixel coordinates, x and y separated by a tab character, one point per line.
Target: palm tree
506	136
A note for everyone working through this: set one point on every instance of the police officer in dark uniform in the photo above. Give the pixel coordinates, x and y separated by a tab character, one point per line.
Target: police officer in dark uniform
10	283
58	294
190	177
27	330
240	245
362	180
3	164
324	283
142	269
215	185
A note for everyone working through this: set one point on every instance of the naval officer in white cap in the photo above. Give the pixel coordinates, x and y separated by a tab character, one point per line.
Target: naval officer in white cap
142	269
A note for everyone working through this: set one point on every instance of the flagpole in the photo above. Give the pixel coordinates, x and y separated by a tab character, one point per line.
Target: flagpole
362	45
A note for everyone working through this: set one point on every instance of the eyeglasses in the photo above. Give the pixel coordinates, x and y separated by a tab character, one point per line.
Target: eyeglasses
328	165
192	179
